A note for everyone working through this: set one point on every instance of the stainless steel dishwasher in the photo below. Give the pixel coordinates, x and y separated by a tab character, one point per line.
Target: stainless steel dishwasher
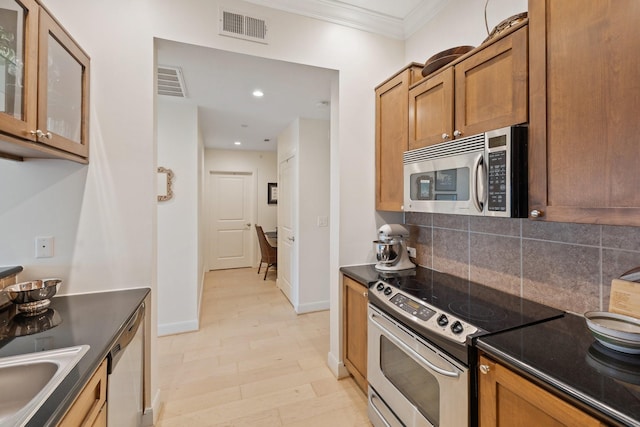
125	375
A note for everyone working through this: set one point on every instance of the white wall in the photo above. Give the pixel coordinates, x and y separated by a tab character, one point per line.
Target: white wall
263	164
313	198
309	141
179	261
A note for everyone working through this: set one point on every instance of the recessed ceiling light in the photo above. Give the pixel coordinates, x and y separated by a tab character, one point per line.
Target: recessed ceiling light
237	143
258	93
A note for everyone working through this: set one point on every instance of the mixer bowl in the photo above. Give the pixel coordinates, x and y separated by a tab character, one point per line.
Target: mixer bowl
387	252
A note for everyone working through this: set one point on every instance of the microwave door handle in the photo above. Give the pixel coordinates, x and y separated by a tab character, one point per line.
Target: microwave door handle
416	356
478	199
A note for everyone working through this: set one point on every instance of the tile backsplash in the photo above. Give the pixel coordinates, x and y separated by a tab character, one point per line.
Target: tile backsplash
567	266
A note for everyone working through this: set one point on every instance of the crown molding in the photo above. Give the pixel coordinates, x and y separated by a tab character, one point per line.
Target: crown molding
342	14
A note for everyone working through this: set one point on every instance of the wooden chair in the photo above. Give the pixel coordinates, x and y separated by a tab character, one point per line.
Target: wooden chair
269	253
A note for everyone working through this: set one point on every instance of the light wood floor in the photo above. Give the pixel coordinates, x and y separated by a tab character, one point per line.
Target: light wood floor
253	362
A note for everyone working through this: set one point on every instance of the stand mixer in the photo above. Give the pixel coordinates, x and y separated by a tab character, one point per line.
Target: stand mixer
391	249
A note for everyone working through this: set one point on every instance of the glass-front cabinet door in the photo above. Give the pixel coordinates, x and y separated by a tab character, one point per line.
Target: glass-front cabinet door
18	67
63	90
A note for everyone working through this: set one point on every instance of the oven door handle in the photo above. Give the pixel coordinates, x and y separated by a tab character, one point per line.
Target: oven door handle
417	356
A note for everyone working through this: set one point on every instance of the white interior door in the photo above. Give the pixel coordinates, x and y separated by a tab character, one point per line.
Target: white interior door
231	220
286	230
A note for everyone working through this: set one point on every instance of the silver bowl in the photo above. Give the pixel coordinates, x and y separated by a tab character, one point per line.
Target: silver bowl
387	252
32	296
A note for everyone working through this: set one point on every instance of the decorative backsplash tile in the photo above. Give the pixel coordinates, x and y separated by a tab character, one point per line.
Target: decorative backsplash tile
496	259
567	266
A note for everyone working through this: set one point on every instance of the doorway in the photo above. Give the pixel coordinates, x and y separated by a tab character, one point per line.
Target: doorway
230	220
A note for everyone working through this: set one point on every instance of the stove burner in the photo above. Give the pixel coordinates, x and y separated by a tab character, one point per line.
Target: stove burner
477	312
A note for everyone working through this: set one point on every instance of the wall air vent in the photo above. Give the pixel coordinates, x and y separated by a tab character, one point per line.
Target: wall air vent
244	27
171	82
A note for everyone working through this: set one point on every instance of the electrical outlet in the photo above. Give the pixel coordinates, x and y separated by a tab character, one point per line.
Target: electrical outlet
44	247
412	251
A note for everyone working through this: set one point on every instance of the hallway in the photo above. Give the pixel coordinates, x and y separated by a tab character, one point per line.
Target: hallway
253	362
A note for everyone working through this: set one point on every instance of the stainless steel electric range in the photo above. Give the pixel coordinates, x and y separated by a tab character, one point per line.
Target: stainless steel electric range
421	359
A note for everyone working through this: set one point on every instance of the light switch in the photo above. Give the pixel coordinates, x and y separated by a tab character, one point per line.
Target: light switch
44	247
323	221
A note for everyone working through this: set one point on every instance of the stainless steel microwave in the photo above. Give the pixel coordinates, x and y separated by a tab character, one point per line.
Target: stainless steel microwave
484	174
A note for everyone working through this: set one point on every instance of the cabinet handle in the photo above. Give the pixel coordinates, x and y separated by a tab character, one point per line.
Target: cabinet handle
291	239
457	133
485	369
39	134
536	213
445	136
365	294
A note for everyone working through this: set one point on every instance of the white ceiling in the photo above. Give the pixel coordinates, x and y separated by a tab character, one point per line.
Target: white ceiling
221	82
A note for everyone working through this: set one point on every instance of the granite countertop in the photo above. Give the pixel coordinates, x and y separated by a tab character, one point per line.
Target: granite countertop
365	274
95	319
9	271
564	354
368	275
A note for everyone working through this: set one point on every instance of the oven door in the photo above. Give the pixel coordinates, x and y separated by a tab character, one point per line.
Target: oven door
412	383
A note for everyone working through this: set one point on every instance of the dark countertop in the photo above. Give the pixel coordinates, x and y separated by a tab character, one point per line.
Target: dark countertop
564	354
368	275
9	271
365	274
95	319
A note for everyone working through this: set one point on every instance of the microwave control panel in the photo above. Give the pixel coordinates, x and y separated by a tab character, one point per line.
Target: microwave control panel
497	177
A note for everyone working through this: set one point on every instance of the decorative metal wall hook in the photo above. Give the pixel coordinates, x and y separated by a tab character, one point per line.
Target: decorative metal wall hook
168	179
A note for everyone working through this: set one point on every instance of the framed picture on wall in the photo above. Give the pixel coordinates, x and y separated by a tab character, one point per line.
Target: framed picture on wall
272	193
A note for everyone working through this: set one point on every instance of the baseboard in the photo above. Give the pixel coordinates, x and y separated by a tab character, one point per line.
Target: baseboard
314	306
178	328
337	367
150	415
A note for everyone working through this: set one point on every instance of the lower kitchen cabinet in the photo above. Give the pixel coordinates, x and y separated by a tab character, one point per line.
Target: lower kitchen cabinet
507	399
355	330
90	408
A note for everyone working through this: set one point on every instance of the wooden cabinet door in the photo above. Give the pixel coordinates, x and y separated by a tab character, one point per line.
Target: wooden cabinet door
508	400
355	330
63	89
89	405
18	68
585	104
491	86
431	110
392	136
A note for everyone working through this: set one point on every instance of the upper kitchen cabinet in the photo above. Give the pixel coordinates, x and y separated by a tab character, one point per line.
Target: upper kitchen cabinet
584	108
392	136
485	90
44	86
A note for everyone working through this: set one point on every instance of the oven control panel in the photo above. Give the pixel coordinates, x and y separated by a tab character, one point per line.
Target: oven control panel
412	307
424	314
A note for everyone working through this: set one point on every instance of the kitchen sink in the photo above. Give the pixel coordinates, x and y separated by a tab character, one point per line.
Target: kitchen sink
27	380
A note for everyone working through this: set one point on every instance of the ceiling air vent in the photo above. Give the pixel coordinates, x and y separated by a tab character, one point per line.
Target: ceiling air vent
171	82
243	27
